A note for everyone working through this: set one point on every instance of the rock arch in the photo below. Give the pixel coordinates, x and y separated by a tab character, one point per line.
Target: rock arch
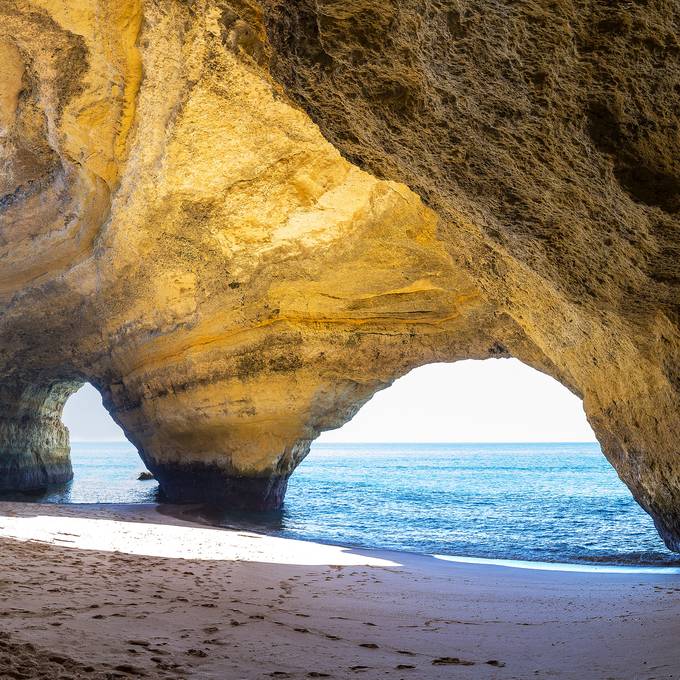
176	230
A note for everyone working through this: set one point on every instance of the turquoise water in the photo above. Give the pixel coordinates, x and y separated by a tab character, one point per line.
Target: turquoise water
544	502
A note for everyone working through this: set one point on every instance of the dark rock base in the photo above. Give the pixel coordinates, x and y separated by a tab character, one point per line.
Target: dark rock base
210	484
21	475
668	526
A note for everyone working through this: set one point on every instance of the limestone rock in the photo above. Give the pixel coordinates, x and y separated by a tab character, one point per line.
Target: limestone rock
188	242
175	229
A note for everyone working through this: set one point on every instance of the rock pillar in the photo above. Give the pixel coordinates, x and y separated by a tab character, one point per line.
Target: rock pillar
34	443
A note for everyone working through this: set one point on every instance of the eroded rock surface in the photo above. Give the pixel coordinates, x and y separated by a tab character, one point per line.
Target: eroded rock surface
546	136
175	229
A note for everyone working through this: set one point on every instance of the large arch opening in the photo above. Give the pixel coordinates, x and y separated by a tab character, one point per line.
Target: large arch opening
501	400
478	458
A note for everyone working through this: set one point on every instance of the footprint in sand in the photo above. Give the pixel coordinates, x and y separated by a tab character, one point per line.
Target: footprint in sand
199	653
451	661
129	669
138	643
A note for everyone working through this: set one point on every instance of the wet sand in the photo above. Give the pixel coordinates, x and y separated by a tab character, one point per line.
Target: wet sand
125	591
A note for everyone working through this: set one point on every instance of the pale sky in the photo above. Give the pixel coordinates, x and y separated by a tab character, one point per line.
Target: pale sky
498	400
87	420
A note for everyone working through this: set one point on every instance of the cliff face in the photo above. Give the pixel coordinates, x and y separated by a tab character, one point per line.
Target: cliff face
175	229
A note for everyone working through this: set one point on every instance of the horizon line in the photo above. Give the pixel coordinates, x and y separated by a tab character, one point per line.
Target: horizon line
517	441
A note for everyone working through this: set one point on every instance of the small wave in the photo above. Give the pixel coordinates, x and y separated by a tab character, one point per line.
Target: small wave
562	566
632	559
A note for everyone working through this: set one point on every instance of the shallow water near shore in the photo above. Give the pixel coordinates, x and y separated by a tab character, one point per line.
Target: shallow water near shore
538	502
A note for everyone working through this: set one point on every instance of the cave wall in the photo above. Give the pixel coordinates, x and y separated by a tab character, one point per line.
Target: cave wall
486	179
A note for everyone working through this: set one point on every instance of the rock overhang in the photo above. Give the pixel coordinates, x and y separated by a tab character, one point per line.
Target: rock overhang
179	232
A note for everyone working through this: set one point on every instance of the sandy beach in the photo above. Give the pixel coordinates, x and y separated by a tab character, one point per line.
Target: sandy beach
128	591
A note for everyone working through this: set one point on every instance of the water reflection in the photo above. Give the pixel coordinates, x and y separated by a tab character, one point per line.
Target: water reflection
271	522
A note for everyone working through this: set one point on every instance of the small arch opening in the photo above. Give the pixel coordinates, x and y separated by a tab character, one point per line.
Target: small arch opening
106	466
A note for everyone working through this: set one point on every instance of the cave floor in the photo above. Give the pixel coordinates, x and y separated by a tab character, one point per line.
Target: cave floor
215	603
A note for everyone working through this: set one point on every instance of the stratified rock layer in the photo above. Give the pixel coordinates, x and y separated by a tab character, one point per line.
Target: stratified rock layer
176	230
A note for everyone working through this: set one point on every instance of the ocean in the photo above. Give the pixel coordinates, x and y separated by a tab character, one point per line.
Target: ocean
538	502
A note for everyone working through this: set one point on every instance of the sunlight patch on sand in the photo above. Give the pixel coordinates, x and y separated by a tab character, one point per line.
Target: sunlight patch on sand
184	542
